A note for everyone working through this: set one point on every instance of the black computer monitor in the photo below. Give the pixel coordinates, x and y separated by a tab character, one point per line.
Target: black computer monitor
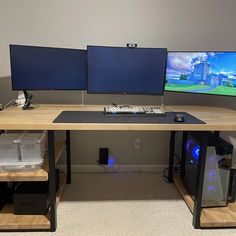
202	72
44	68
123	70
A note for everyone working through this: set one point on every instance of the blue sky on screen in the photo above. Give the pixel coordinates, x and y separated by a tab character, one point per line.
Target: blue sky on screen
182	62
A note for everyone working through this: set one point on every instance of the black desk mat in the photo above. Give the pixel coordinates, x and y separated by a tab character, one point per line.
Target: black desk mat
99	117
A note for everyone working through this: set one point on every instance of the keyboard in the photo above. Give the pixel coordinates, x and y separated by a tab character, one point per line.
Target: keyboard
133	110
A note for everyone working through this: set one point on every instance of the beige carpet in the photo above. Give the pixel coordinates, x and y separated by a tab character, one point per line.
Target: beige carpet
130	204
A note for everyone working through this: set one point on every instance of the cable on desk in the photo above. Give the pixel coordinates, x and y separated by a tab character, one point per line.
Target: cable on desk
124	106
115	105
6	105
120	106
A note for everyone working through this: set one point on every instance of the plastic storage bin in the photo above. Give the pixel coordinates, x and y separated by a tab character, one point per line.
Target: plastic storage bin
20	166
10	147
33	147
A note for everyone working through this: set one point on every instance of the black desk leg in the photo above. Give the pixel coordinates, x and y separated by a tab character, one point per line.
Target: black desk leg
171	156
183	155
52	181
200	181
68	157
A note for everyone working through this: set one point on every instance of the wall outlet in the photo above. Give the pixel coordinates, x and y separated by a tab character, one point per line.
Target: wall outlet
137	144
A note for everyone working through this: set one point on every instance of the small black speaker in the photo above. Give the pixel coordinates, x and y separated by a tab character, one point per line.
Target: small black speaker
103	156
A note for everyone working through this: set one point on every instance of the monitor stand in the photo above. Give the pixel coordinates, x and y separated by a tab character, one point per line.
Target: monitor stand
28	98
82	98
162	103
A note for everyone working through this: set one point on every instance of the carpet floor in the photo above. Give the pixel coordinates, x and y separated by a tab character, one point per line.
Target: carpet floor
120	204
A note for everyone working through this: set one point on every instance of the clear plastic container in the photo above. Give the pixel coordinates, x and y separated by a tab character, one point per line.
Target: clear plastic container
33	146
20	166
10	147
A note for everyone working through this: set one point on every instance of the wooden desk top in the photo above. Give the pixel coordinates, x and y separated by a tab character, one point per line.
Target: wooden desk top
217	119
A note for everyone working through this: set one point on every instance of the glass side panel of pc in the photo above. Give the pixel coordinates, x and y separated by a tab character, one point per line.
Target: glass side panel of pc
44	68
123	70
202	72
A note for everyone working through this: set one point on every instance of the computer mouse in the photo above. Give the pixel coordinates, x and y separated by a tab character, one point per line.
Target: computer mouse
179	117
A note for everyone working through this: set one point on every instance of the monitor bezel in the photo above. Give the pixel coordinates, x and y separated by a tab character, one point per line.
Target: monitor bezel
86	75
210	94
125	93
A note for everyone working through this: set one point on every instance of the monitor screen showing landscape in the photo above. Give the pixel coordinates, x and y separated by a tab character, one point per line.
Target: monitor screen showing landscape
201	72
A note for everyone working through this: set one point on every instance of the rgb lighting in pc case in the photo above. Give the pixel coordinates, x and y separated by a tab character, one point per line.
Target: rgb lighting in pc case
217	169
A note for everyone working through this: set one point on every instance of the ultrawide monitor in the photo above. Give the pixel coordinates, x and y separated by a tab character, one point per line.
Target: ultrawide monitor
44	68
123	70
201	72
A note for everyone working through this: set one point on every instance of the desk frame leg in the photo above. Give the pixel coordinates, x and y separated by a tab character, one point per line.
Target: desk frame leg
68	157
183	155
52	181
200	181
171	156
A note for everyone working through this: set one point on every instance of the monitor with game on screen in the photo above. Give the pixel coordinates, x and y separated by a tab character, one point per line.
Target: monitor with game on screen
202	72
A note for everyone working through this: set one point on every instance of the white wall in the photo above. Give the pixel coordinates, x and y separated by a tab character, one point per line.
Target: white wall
177	25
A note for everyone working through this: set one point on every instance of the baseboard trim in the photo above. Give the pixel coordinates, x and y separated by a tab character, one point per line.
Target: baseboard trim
116	168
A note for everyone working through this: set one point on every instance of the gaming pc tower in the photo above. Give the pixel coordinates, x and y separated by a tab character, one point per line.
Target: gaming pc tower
219	178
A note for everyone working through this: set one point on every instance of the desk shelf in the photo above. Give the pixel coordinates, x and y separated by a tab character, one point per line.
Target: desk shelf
213	217
38	175
10	221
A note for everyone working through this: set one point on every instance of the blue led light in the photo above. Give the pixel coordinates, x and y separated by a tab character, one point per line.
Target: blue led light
111	161
212	176
211	188
195	152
